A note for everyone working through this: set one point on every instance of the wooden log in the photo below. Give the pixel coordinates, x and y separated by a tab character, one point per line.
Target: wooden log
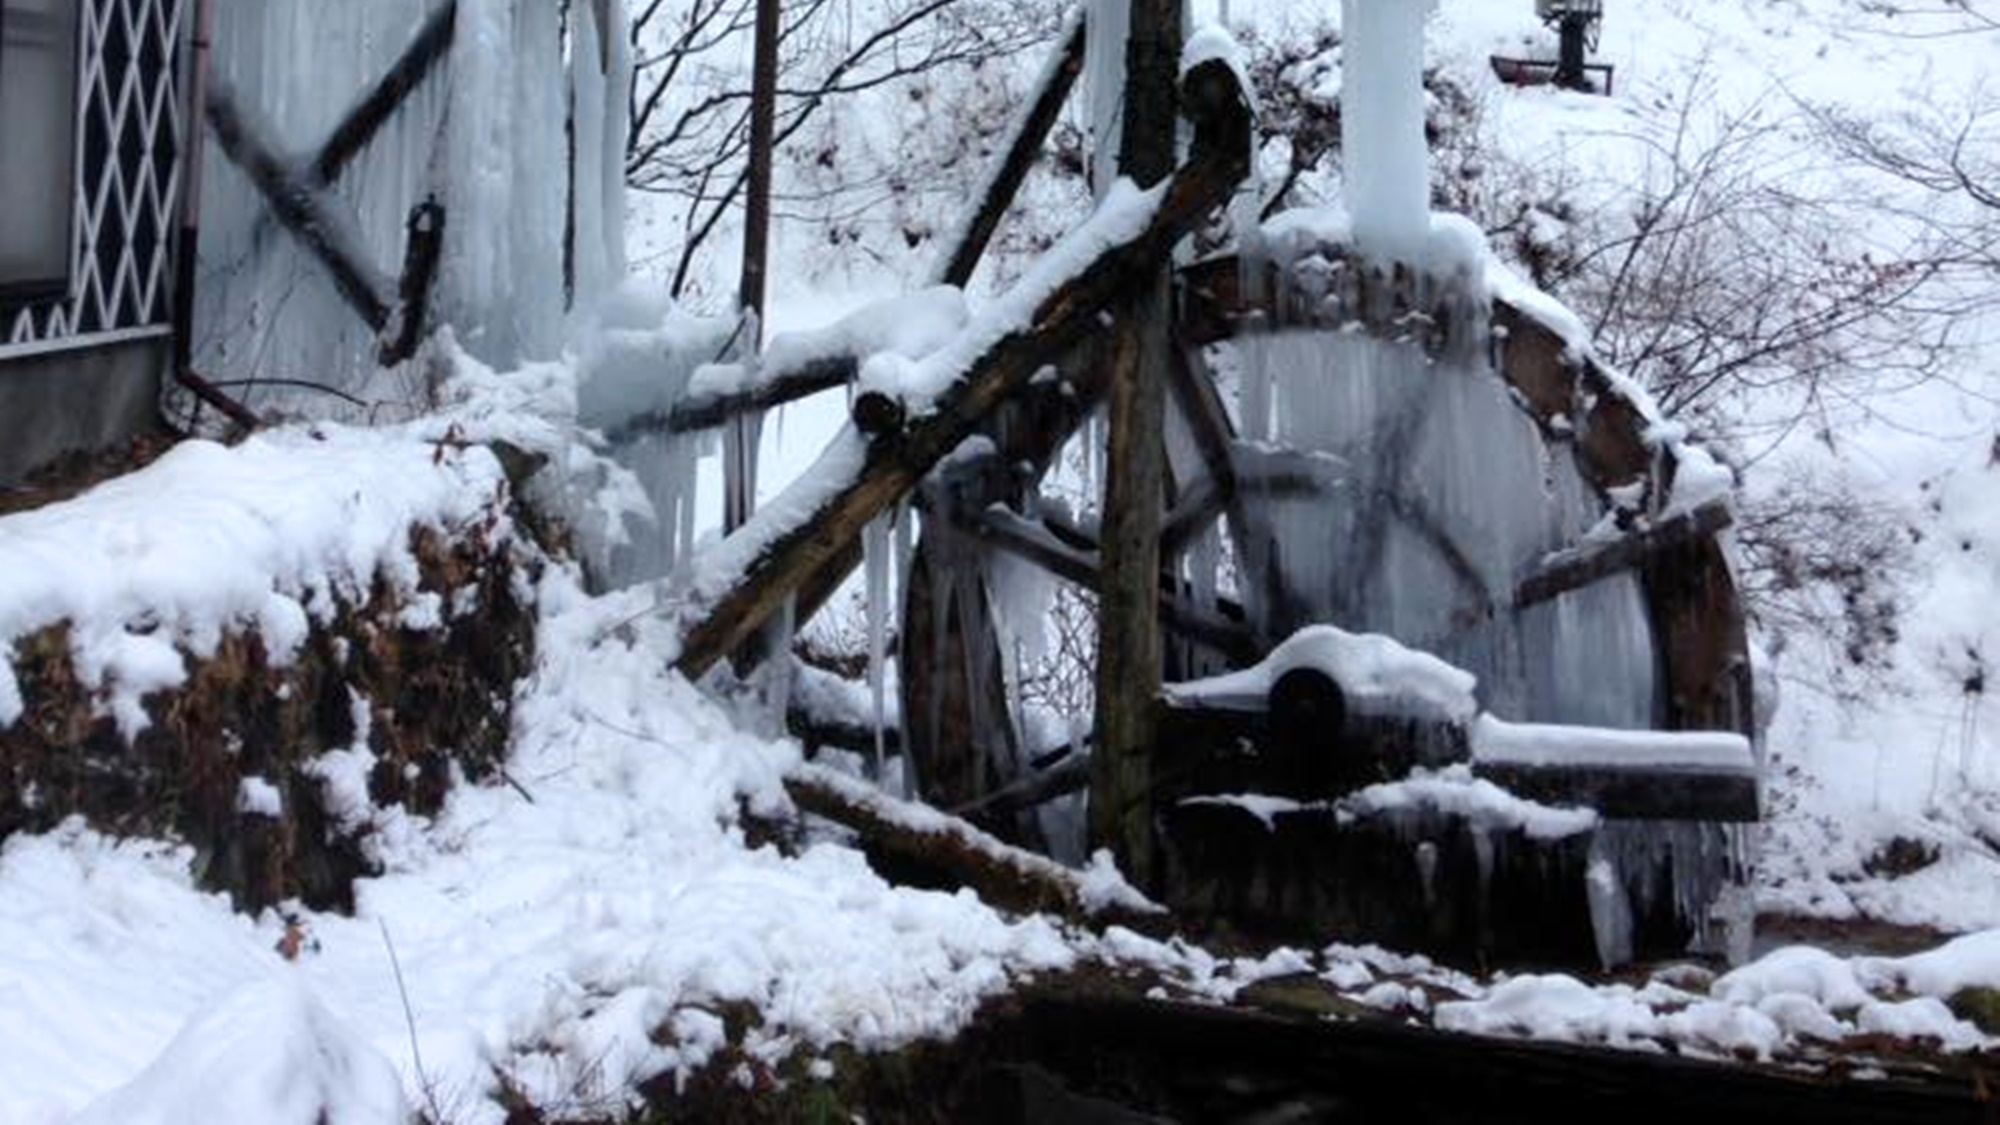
767	390
1580	566
361	123
920	842
298	206
1023	148
788	554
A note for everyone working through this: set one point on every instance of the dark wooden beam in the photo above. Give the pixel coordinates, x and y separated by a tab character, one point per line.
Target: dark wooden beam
421	254
1022	150
298	206
1634	793
1128	595
791	553
1580	566
1036	543
359	126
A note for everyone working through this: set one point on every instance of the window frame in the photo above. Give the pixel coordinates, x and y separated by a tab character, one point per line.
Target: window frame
29	289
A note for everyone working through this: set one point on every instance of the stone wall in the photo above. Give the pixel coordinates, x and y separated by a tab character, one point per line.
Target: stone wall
423	702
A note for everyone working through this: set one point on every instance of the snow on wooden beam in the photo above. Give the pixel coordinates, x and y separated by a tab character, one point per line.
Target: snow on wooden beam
1623	774
759	390
781	553
1577	567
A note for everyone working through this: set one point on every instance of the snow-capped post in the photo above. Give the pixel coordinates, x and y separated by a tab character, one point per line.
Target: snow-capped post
1386	158
811	535
1128	661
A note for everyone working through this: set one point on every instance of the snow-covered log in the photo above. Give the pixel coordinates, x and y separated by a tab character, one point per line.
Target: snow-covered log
920	839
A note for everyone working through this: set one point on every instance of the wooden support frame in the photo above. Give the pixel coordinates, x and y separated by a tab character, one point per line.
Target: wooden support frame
1041	545
301	209
297	196
359	126
794	553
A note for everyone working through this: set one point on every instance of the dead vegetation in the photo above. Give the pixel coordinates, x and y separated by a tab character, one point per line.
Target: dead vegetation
423	703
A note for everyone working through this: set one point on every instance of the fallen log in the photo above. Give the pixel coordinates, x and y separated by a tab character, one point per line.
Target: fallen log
907	837
790	546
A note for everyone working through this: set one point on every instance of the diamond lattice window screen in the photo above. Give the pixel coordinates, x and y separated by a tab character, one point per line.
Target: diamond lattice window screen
119	183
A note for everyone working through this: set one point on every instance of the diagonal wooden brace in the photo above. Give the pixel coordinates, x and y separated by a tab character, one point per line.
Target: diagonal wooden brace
792	555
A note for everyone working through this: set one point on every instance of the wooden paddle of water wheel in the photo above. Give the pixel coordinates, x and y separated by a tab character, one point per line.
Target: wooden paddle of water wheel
1355	449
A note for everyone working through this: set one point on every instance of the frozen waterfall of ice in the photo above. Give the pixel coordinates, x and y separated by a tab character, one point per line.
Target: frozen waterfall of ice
485	133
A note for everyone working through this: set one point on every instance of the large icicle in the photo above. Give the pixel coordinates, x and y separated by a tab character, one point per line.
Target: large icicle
1386	163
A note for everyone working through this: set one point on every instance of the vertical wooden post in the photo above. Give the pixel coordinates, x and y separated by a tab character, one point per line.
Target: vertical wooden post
739	450
1128	637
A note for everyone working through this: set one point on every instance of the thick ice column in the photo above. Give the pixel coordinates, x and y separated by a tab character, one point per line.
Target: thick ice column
1386	158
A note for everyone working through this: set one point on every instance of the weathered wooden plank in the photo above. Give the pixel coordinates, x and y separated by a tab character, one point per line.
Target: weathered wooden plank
792	554
1580	566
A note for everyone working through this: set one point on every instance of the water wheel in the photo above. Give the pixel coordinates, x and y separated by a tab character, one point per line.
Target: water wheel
1377	448
1388	452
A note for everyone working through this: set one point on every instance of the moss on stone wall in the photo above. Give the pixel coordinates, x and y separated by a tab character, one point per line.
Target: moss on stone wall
431	700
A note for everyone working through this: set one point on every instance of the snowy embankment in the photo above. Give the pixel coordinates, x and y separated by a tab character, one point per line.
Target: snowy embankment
581	932
568	939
